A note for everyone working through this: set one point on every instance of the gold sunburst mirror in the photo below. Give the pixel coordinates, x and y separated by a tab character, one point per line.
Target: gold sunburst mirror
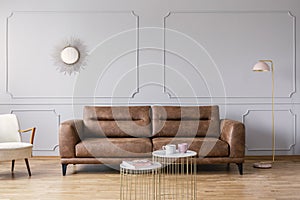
70	57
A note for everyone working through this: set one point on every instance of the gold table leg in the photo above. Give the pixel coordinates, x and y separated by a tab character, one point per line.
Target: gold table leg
139	184
178	178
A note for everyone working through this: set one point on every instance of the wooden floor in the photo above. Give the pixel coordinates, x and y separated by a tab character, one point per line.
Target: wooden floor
99	182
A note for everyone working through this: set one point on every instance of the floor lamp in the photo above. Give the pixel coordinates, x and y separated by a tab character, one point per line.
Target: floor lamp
262	66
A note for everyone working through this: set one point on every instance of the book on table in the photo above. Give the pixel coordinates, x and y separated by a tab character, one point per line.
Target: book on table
138	164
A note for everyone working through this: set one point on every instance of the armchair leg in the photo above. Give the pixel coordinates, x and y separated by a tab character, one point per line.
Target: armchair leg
240	166
64	169
12	165
28	167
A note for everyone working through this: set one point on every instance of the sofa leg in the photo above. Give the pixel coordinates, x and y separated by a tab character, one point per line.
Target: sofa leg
64	169
240	166
228	166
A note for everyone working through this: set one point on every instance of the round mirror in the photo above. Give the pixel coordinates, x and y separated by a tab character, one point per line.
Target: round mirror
70	55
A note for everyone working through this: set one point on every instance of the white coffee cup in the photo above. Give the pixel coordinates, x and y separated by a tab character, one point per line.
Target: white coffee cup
169	148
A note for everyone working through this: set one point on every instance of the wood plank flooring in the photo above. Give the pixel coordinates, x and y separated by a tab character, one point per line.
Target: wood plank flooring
282	182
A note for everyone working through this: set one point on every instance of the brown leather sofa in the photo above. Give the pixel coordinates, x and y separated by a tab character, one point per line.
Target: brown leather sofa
109	135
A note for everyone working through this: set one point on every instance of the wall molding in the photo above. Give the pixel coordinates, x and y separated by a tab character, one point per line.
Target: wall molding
137	28
289	13
51	111
248	112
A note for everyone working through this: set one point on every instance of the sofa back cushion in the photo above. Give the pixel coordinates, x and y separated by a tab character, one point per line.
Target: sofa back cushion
186	121
117	121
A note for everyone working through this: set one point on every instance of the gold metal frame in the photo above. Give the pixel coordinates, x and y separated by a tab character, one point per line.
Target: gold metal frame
266	164
178	178
139	184
273	124
77	65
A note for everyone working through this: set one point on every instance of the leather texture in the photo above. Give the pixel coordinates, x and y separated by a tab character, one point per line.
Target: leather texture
114	147
117	161
233	132
204	146
107	161
186	121
132	121
112	134
69	136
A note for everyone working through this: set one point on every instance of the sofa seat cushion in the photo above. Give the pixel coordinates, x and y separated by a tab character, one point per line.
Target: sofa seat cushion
114	147
205	147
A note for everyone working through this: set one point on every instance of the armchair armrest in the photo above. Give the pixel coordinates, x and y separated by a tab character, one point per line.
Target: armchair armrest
32	133
233	132
69	136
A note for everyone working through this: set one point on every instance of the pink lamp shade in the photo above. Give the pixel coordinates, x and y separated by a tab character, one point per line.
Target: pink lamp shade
261	67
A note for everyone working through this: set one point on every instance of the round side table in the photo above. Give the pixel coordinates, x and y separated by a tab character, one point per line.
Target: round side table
178	174
140	183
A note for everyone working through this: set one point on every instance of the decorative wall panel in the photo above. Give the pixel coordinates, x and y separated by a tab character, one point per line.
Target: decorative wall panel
46	123
211	54
164	53
111	39
259	130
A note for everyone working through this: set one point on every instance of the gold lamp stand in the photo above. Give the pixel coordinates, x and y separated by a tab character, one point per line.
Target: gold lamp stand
262	66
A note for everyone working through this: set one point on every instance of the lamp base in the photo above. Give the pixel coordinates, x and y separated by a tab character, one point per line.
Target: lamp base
263	165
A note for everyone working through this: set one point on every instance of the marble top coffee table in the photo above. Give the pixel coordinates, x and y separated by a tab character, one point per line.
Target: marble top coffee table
178	174
140	182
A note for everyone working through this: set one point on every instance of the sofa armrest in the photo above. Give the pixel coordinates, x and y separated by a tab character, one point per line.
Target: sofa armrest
69	136
233	132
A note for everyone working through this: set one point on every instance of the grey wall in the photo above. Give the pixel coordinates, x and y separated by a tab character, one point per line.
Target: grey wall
154	52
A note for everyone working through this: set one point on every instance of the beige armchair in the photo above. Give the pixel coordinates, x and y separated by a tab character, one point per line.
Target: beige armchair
11	146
